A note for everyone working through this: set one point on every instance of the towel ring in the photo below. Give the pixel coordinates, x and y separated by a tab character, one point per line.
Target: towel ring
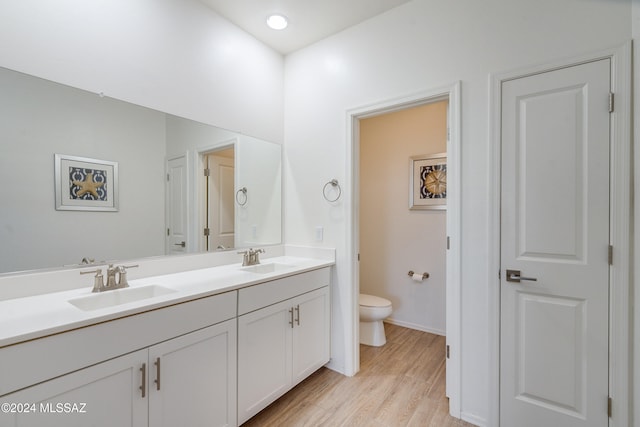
334	183
243	190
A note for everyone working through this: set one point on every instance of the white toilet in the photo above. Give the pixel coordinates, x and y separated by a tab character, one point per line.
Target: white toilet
372	311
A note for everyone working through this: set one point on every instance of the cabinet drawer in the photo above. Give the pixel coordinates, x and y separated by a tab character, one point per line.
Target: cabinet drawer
261	295
62	353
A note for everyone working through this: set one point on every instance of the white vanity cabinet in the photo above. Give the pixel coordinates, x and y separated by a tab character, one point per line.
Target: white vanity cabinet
280	343
310	334
104	395
205	359
192	379
179	371
189	380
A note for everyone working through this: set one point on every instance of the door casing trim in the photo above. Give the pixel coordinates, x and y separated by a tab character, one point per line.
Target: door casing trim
620	210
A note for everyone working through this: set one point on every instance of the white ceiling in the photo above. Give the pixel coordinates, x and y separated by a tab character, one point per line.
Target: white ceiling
309	20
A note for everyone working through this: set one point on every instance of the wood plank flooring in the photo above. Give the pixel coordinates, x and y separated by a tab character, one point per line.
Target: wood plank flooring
399	384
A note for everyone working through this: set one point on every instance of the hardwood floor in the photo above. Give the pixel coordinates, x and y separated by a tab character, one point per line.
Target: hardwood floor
399	384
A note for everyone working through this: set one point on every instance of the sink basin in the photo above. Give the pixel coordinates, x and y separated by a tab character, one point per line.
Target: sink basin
271	267
119	296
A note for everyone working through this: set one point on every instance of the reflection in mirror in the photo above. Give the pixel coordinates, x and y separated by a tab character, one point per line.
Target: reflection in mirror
219	199
161	199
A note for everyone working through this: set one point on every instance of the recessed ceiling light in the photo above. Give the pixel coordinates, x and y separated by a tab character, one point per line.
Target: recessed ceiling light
277	22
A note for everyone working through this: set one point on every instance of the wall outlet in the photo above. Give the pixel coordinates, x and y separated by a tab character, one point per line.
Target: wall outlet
319	233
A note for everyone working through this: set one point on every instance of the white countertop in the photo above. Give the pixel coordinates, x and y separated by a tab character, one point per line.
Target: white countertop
28	318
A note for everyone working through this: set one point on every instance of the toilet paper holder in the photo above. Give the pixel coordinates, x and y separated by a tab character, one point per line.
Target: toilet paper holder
424	275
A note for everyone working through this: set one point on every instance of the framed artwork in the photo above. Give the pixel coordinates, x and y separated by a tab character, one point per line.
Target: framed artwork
428	181
84	184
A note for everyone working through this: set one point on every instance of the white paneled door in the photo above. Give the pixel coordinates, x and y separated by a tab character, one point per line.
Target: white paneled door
221	209
554	248
176	206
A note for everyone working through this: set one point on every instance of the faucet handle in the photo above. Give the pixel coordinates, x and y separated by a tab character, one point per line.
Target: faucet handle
246	255
256	255
122	275
98	280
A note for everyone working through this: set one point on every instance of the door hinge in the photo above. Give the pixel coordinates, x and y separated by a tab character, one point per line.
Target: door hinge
207	231
448	242
168	177
609	407
499	274
611	102
448	351
207	172
358	257
168	233
610	255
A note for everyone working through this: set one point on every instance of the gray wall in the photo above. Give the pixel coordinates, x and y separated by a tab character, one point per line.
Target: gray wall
37	120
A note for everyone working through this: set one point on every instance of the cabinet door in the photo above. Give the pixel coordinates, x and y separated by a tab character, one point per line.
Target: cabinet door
192	379
311	341
264	357
104	395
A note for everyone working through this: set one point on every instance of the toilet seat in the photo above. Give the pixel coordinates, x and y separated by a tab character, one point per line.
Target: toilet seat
373	301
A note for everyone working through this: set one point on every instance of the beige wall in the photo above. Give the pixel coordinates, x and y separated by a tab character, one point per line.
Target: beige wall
394	239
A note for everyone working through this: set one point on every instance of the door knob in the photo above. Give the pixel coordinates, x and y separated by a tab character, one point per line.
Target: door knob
514	276
181	244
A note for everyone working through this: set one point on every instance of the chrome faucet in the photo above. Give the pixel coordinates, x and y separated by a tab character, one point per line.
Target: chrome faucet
116	278
251	256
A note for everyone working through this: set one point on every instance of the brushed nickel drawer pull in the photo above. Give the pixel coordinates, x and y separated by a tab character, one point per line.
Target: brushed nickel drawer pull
157	380
298	314
143	387
291	318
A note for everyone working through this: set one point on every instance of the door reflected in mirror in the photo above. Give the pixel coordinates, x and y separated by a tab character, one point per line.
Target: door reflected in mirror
218	194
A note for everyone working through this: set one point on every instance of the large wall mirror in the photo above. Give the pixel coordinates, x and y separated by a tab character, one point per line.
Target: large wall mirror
165	202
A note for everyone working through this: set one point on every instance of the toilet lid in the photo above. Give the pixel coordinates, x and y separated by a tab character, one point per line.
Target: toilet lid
373	301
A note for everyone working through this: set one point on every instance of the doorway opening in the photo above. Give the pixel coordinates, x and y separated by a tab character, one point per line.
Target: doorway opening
396	236
449	220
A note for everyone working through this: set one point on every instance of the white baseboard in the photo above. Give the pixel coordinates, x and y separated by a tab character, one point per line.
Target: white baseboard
415	326
337	368
473	419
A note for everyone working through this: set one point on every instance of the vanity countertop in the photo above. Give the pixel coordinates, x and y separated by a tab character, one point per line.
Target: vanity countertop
32	317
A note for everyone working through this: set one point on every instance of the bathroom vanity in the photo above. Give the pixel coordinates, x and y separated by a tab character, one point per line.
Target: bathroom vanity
209	346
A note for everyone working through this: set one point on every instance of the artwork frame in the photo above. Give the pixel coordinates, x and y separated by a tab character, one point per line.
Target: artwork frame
428	182
85	184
